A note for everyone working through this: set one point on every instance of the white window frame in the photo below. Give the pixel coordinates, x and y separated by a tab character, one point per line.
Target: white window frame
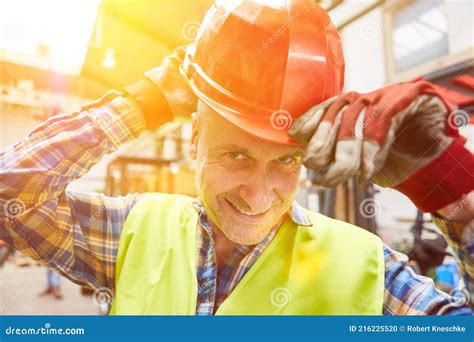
394	76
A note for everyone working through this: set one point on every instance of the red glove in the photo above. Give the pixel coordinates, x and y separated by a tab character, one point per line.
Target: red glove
402	136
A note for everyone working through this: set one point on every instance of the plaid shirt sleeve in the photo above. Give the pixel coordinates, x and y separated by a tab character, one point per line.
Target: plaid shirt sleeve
75	234
461	239
407	293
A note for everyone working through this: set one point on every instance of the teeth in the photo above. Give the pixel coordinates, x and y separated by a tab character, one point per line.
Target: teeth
248	213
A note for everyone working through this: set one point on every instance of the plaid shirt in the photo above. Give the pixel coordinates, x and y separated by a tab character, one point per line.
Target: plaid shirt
77	234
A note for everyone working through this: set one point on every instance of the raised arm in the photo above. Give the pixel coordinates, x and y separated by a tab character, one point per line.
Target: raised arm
456	222
77	234
407	293
403	136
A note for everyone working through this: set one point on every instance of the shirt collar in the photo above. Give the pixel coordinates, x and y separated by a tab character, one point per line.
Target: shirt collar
298	215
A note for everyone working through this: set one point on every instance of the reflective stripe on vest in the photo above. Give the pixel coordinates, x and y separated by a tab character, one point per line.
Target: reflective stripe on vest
331	268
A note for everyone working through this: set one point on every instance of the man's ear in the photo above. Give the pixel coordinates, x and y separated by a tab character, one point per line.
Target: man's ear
194	137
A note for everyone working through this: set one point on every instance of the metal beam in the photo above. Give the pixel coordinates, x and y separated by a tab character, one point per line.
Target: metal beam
360	14
334	4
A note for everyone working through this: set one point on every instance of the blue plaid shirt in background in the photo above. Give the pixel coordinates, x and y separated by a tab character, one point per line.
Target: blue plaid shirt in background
78	234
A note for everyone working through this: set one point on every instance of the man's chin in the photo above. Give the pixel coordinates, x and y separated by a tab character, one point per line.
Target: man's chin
244	234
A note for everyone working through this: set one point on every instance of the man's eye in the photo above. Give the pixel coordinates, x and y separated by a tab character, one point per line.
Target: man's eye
289	160
236	155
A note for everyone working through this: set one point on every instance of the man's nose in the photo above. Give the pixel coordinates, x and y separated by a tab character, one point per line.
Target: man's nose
257	191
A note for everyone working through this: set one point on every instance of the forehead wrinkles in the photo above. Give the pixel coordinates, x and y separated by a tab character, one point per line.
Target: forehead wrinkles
218	132
269	149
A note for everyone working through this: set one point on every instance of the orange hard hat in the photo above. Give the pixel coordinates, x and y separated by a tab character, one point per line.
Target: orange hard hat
262	64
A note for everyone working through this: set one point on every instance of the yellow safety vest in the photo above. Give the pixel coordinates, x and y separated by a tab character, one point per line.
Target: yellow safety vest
331	268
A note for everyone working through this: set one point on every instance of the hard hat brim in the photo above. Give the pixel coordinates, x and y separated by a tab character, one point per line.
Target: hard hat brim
273	128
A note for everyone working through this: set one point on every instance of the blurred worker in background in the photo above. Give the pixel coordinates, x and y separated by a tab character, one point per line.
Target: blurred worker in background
264	82
429	247
53	285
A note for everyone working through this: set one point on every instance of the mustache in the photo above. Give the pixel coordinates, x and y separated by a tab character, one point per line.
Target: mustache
240	203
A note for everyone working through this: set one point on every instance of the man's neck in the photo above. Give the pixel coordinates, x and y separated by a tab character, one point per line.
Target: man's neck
222	245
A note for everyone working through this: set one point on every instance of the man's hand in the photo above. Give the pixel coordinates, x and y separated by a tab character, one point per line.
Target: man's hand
163	93
400	136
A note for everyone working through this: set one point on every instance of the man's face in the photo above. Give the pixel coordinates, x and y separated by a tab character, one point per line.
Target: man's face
246	184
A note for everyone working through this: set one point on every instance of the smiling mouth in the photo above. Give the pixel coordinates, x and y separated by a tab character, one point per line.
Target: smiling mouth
244	215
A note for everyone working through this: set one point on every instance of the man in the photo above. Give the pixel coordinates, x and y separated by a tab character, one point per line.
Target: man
245	246
53	285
